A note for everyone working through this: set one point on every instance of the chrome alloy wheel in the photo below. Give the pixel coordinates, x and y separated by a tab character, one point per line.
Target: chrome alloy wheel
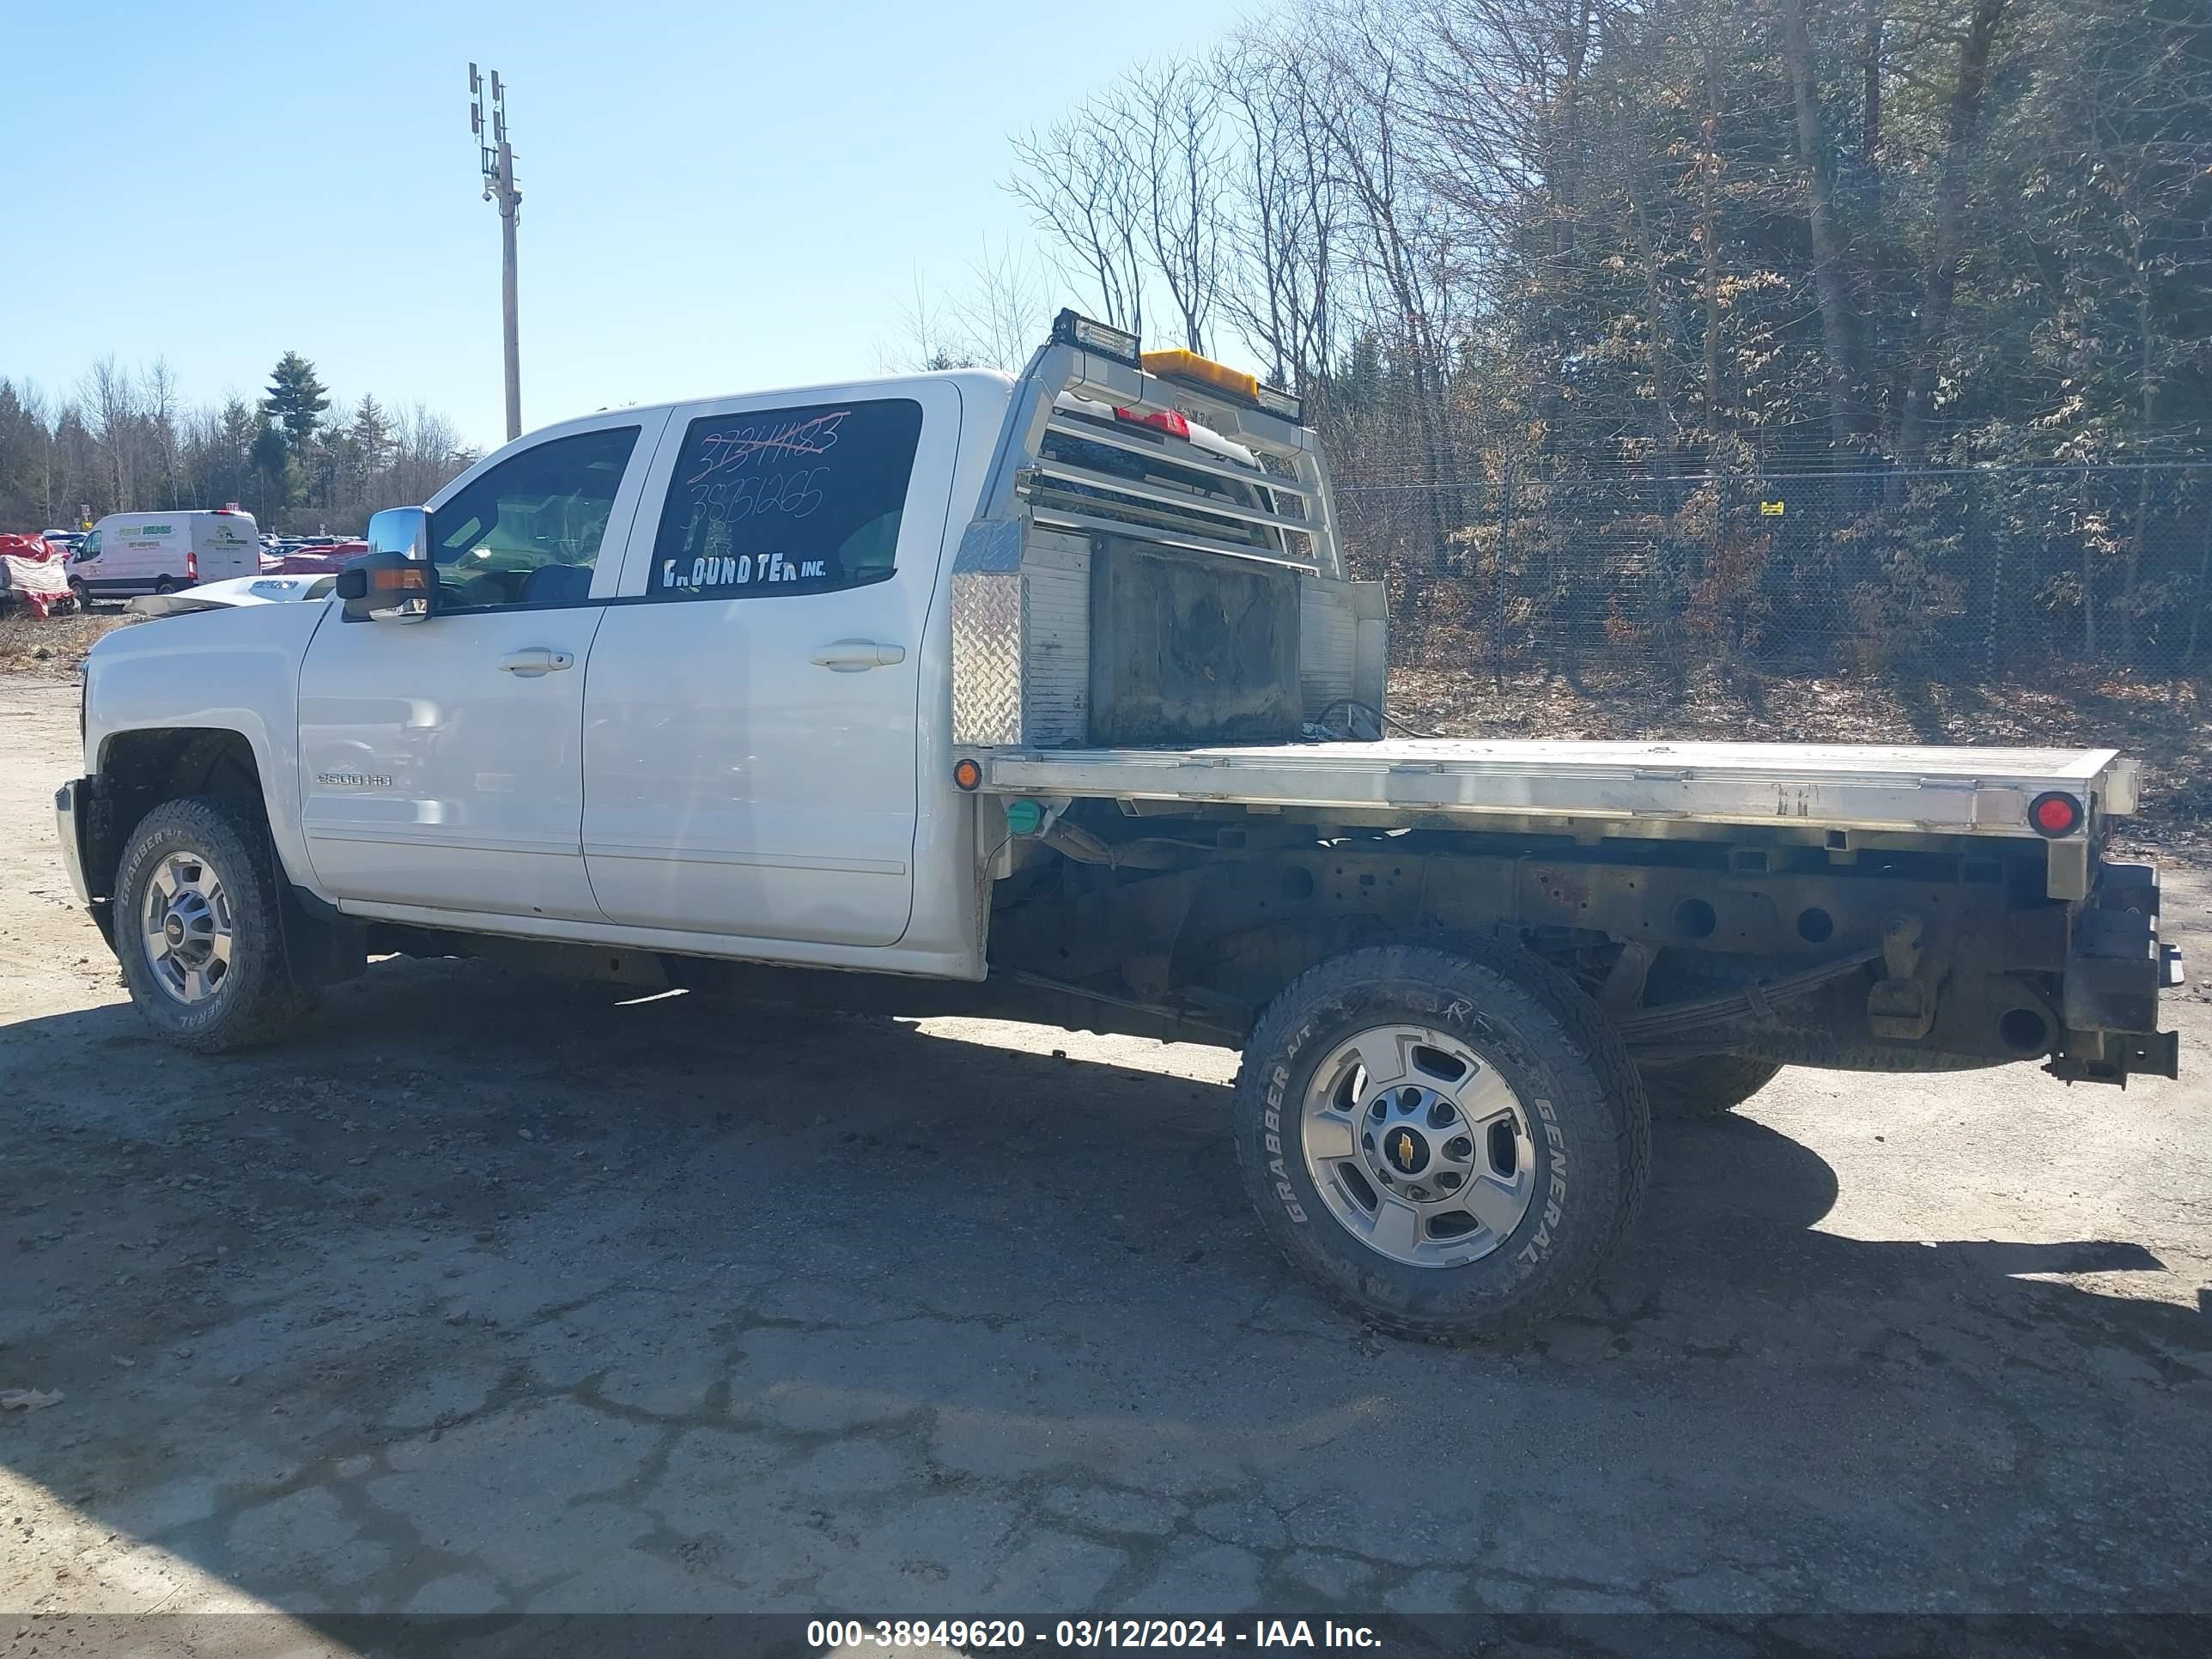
1419	1149
186	928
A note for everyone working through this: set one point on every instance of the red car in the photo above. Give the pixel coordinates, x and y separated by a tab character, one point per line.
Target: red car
319	561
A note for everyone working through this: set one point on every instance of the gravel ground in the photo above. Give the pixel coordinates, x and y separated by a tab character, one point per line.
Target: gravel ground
492	1294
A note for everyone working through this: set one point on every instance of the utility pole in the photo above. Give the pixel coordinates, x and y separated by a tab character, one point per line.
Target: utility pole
497	160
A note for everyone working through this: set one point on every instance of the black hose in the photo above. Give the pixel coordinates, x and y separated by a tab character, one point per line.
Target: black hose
1382	720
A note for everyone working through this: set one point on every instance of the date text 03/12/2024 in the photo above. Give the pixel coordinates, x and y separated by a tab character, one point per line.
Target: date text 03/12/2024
970	1634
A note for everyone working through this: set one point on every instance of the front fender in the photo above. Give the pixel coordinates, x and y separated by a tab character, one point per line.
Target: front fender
235	670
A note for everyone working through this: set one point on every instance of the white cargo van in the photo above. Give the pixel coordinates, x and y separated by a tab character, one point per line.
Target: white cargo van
132	553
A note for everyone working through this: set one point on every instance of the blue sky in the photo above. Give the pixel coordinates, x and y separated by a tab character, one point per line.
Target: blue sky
715	197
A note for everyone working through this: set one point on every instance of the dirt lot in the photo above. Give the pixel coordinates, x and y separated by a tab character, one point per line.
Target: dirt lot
492	1294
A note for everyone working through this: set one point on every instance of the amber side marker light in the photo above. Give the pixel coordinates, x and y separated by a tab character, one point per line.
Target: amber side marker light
967	774
2054	813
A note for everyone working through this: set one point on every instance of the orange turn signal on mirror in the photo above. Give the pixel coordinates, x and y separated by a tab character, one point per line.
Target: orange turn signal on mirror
400	579
967	774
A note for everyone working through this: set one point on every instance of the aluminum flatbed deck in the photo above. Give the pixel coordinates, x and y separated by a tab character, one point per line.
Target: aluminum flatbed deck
1943	790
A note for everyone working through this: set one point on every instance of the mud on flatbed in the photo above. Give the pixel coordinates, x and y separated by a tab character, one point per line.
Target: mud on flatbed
551	1297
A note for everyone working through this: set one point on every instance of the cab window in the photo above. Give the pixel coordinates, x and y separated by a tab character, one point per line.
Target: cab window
529	532
774	502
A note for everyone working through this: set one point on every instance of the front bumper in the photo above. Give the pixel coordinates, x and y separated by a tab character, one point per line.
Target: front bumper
71	802
80	817
2116	967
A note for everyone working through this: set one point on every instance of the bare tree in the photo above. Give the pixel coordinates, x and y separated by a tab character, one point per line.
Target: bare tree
107	395
1404	249
1083	187
1008	308
1709	218
929	337
426	452
1847	419
1171	108
1280	224
1944	250
163	408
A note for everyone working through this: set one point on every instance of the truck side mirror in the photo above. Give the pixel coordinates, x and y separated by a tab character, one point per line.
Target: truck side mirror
394	580
387	587
402	530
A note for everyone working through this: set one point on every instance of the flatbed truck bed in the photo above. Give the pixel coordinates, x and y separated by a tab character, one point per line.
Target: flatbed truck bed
1852	790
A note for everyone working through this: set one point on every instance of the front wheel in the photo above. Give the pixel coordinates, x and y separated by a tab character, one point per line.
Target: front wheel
1446	1137
198	928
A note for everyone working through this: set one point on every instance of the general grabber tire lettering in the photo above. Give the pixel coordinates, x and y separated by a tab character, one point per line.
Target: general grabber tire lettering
198	887
1478	1191
1707	1085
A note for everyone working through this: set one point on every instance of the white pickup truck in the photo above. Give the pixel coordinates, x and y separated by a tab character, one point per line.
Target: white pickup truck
1051	697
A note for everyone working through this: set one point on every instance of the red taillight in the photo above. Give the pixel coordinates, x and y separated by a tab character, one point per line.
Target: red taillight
191	567
1165	420
2054	813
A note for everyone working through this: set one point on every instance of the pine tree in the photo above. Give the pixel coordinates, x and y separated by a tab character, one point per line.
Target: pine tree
269	454
371	443
296	400
372	430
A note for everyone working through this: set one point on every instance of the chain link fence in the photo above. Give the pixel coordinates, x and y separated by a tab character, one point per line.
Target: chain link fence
1985	573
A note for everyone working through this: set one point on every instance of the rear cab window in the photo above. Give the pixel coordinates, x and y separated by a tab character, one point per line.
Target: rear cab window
770	503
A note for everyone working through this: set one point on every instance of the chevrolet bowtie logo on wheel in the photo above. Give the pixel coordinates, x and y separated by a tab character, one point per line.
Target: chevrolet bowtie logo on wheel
1404	1150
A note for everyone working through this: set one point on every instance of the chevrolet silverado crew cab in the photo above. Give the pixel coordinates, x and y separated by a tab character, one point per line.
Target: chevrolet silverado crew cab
1051	697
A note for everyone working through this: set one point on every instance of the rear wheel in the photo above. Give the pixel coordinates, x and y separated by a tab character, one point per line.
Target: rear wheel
1446	1137
166	585
1705	1086
198	928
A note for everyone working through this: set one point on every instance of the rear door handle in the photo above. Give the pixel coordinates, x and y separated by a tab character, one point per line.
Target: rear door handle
853	656
535	661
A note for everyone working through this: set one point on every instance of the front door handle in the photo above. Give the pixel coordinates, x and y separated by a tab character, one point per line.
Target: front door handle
854	656
535	661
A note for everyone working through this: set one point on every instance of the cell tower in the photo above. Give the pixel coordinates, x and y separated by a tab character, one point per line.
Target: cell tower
497	160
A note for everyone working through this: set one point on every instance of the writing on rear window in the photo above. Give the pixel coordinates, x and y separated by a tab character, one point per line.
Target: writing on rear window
787	500
723	571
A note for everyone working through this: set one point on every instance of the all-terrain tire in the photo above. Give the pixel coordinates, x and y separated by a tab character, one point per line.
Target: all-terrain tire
1534	1026
259	998
1705	1086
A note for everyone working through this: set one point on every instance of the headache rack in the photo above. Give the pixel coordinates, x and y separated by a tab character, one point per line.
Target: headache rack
1095	464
